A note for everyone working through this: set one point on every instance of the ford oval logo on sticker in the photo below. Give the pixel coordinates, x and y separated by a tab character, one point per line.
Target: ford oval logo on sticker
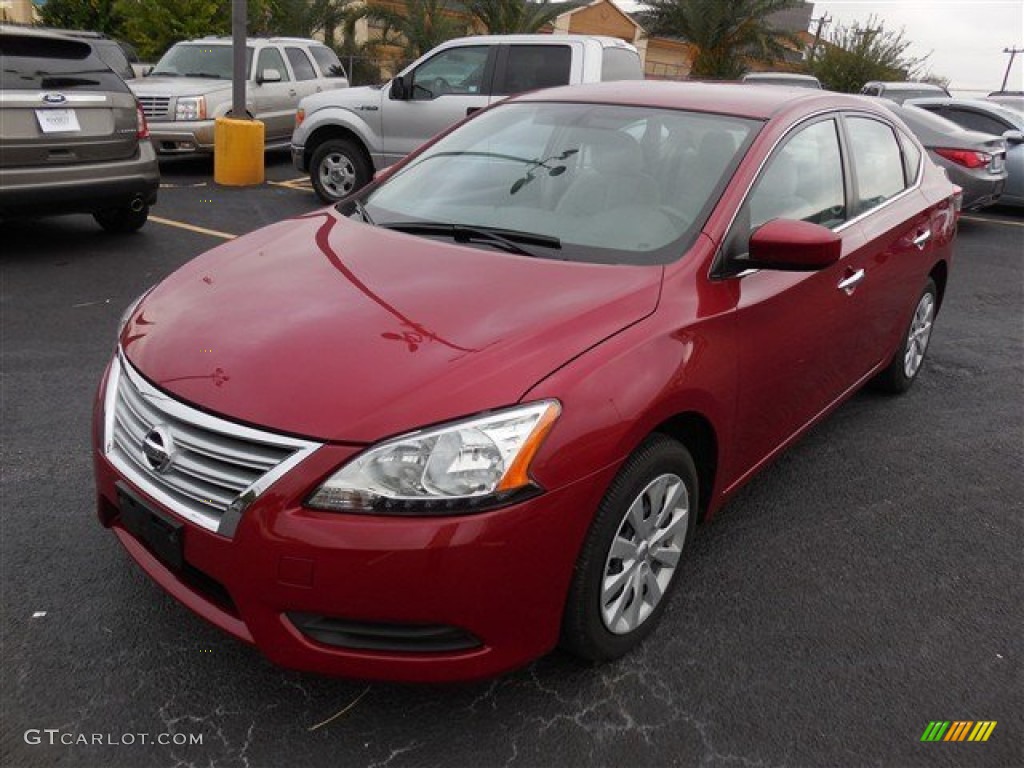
54	98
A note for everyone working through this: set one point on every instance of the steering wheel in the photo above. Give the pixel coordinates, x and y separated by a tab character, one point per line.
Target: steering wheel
439	86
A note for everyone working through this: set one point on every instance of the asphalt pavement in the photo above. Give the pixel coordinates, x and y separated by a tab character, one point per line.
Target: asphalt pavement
867	583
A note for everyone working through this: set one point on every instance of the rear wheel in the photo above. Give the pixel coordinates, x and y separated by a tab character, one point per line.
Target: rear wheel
338	169
122	220
906	363
630	559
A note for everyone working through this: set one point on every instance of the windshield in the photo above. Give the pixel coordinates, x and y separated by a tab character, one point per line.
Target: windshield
586	182
198	60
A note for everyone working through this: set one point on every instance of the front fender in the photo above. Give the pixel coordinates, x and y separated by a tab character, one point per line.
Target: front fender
318	125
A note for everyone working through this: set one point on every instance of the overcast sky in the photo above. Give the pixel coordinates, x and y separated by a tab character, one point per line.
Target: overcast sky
966	37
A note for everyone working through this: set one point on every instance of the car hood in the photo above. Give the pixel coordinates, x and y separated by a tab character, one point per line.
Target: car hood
177	86
345	98
328	328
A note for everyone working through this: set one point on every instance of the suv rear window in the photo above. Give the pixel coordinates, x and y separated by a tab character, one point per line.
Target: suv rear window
620	64
31	62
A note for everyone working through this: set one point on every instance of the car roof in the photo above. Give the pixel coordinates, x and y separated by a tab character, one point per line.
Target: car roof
607	42
755	101
779	75
906	85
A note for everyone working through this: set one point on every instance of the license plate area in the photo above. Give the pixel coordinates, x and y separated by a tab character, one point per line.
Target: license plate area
162	535
57	120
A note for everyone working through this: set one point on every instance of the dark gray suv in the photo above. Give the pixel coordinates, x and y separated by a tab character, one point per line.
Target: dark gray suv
72	136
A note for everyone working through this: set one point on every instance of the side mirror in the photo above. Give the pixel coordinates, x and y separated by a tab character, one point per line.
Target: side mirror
1014	137
269	76
148	70
398	91
793	246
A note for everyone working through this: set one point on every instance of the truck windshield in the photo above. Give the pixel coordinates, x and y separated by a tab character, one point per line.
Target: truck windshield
198	60
584	182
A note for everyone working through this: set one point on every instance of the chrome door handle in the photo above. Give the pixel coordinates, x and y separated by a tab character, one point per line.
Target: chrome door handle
921	239
849	283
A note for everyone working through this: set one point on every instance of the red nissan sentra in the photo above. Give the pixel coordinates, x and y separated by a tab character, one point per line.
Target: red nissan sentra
476	411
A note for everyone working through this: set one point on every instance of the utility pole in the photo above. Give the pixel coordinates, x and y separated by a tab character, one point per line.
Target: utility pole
238	75
822	21
1013	54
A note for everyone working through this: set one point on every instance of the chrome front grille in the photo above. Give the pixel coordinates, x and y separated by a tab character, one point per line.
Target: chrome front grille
155	107
204	468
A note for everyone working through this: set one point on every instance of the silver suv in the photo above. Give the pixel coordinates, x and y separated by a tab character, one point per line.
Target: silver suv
72	137
191	86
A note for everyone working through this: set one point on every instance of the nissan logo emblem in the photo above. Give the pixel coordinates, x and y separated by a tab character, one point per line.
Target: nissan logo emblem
54	98
158	448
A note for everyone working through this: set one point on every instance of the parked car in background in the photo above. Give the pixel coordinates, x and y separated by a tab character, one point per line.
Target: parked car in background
988	117
901	91
72	137
975	161
191	86
342	138
498	388
1011	99
782	78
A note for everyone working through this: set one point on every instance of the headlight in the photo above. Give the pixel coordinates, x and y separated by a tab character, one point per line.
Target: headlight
127	314
462	467
190	108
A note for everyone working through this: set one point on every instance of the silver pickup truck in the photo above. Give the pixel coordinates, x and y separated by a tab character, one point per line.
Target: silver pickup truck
341	138
191	86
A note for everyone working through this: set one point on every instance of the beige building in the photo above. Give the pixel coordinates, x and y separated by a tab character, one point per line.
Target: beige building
18	11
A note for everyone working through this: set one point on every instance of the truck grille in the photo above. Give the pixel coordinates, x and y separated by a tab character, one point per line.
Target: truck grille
155	107
203	468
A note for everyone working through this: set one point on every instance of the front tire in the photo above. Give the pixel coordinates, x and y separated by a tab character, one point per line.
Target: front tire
630	559
902	370
338	169
122	221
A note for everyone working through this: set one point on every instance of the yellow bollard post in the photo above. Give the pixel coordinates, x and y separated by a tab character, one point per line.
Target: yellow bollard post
237	152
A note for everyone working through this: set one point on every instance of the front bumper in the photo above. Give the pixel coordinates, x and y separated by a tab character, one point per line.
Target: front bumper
499	577
173	137
299	158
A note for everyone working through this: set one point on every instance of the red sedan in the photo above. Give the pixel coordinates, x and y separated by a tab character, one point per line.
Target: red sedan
476	411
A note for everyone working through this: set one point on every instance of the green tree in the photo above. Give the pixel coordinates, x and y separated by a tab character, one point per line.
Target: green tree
507	17
722	32
854	54
94	15
155	25
422	25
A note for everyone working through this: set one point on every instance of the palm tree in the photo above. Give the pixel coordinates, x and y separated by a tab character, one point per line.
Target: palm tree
422	25
723	32
506	17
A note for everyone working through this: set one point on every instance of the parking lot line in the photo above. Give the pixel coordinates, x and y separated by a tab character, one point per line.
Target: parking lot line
994	221
192	227
302	184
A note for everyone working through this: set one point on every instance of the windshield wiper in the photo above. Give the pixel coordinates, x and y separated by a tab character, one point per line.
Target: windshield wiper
164	73
205	74
507	239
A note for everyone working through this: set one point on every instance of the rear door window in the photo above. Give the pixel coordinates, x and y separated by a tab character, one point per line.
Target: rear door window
301	65
328	61
529	67
31	63
620	64
877	162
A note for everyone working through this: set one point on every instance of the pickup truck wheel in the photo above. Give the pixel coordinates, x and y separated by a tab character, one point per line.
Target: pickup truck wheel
338	169
122	221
